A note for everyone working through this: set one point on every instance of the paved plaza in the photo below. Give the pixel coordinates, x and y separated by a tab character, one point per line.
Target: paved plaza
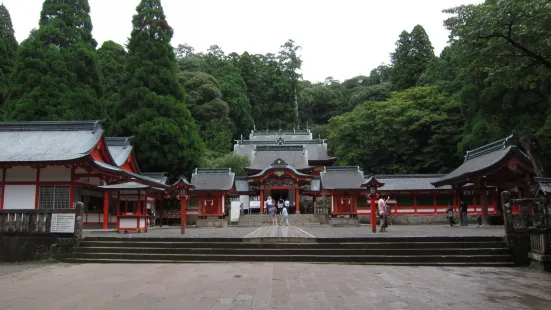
321	231
270	286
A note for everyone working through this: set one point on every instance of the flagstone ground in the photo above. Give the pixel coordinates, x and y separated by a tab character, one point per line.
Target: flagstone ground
270	286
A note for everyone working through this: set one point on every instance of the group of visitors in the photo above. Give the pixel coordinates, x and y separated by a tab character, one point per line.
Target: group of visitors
463	214
283	206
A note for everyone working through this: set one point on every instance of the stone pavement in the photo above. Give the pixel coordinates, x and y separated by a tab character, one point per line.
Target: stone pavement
272	286
315	231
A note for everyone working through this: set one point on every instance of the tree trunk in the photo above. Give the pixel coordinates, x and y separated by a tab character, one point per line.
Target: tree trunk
533	148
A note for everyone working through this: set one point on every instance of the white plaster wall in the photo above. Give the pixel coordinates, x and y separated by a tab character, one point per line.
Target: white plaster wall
19	196
55	174
18	174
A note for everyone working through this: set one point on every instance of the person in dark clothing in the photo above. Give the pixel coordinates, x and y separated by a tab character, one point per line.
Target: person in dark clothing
464	208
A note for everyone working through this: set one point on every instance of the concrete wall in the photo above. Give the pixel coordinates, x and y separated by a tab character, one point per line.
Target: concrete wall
28	248
419	219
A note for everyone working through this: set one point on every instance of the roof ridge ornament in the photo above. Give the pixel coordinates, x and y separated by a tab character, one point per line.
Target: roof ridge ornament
279	162
489	148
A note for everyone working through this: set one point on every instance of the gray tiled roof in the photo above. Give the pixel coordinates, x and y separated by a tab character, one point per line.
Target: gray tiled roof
213	179
482	159
140	178
342	178
119	148
48	141
410	182
241	184
543	184
295	156
273	135
159	176
128	185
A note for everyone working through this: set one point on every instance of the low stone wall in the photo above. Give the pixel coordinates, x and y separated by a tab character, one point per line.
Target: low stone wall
17	248
211	222
342	221
418	219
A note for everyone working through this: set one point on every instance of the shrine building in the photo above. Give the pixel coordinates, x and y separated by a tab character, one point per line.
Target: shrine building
54	164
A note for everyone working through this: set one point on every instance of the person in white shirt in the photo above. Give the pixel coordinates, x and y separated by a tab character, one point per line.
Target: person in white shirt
382	213
284	216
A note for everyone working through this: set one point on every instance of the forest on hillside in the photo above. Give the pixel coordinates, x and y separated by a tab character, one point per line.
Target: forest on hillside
417	114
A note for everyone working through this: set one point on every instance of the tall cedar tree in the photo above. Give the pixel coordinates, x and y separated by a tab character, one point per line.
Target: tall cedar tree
56	75
111	61
8	53
413	53
152	107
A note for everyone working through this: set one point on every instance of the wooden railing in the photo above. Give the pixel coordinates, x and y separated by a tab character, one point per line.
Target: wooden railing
539	243
36	220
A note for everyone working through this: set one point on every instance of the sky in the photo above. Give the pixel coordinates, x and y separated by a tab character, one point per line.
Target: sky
341	39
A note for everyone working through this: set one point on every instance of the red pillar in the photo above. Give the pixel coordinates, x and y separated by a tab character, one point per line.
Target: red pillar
261	201
297	201
118	208
161	212
183	214
105	210
373	214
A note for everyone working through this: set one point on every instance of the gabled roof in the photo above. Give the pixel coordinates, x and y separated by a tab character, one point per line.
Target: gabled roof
160	177
130	186
410	182
294	155
130	175
342	177
273	135
484	159
280	164
543	186
219	179
120	148
317	148
48	141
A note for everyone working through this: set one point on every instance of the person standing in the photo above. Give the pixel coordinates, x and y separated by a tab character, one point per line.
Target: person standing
382	213
464	208
269	204
284	216
273	212
450	214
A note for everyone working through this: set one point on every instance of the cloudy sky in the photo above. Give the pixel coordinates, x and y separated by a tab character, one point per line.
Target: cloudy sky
341	38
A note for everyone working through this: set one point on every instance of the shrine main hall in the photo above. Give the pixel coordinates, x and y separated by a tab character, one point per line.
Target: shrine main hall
49	165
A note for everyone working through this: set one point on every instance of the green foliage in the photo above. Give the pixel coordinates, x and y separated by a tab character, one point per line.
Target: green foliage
56	75
318	103
152	107
8	53
414	131
111	61
230	160
413	53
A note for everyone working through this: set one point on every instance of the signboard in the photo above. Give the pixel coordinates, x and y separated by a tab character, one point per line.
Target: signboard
63	223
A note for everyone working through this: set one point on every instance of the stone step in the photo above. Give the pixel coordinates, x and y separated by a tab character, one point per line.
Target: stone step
186	244
433	264
296	251
296	258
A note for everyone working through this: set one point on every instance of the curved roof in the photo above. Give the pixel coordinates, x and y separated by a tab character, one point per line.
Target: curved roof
220	179
410	182
51	141
120	148
279	163
342	177
293	155
483	159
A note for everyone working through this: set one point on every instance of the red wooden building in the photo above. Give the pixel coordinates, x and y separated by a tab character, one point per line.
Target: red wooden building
55	164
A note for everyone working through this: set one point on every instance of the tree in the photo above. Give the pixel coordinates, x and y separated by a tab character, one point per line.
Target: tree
209	110
152	107
56	75
319	103
111	61
413	53
506	66
414	131
8	53
230	160
291	63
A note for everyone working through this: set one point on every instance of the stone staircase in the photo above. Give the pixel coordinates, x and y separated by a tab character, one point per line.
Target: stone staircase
414	251
257	220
